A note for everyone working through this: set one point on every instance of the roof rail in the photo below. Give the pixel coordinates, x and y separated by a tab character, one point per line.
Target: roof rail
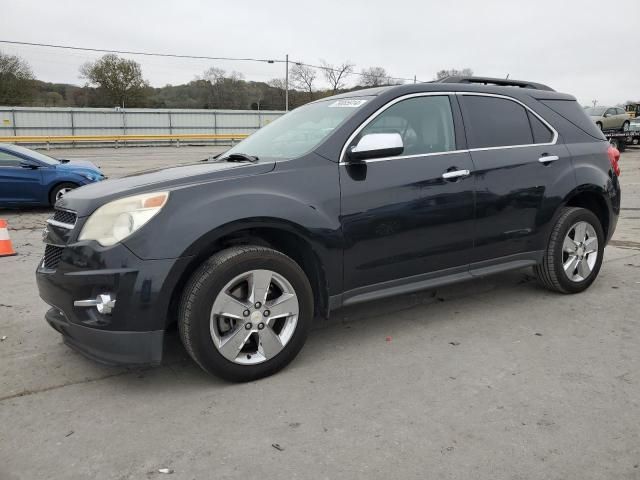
503	82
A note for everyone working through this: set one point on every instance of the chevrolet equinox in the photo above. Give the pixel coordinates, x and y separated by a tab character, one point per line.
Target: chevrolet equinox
351	198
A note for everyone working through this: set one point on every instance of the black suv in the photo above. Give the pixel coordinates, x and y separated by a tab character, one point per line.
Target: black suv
351	198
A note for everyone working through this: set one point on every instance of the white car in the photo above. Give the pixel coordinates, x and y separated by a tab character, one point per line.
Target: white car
609	118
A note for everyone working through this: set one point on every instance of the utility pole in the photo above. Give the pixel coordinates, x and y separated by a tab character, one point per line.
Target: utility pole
415	79
286	84
594	102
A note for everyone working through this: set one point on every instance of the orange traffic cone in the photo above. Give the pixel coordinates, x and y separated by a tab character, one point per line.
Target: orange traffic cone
6	249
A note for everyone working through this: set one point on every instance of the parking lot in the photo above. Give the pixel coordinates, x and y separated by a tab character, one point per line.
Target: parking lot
490	379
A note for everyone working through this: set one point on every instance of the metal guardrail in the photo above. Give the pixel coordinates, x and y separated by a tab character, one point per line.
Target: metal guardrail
185	137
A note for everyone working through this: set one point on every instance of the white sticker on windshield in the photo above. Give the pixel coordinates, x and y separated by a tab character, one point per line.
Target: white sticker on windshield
347	103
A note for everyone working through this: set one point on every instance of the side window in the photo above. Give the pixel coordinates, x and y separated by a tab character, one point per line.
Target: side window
495	122
541	133
619	111
610	111
424	123
8	160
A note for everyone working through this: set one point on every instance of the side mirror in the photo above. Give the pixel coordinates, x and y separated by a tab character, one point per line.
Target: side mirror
32	166
376	145
606	115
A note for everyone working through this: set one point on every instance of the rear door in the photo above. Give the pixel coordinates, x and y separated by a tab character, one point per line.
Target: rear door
400	217
517	158
610	119
17	183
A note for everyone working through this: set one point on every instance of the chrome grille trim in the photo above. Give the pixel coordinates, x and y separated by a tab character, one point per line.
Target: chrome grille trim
63	218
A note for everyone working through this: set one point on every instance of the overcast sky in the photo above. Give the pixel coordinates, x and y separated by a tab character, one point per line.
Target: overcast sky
570	45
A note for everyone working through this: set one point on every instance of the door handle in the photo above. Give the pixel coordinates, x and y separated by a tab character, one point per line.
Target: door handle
456	174
548	158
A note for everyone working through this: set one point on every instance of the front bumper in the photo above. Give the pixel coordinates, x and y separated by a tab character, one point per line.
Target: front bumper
132	334
109	347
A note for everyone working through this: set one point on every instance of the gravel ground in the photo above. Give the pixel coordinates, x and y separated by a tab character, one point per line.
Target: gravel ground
490	379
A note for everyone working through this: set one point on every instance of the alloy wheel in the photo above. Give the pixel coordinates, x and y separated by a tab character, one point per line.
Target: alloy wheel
253	317
61	193
579	251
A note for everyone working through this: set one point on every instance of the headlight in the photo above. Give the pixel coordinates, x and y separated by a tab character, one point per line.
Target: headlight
115	221
92	177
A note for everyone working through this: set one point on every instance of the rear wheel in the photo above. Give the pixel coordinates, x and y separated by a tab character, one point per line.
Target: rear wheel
625	125
60	190
574	254
246	312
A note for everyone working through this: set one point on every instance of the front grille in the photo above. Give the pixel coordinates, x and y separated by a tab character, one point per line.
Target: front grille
63	216
52	256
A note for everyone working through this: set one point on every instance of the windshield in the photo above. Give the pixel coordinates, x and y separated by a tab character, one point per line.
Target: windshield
300	130
596	111
32	154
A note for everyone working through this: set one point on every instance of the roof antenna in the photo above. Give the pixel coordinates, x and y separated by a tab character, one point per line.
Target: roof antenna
507	77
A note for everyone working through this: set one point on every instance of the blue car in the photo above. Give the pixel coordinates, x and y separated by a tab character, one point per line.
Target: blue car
28	177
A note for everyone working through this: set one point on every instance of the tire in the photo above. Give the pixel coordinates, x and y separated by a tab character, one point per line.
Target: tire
625	125
60	190
201	328
599	125
551	272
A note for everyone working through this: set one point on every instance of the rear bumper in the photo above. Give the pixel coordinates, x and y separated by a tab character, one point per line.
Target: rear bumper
111	348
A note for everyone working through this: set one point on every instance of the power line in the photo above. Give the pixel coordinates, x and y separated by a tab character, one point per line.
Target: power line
194	57
148	54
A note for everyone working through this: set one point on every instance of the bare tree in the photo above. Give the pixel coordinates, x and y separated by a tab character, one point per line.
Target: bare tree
375	77
214	75
120	78
336	74
465	72
303	77
15	80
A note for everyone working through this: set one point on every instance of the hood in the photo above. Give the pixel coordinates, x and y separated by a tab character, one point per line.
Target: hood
78	166
86	199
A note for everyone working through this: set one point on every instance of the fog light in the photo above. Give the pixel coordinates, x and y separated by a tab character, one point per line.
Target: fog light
103	303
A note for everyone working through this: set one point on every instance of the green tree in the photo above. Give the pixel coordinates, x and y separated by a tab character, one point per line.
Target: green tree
16	80
121	79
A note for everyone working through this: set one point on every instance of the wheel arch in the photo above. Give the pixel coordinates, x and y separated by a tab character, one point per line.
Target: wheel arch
592	198
284	236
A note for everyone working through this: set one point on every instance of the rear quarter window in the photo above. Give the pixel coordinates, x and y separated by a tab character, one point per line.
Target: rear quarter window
572	112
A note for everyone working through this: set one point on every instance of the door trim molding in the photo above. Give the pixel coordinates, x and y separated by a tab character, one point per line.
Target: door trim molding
375	114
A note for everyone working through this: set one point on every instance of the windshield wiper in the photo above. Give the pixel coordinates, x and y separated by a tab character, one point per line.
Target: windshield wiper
238	157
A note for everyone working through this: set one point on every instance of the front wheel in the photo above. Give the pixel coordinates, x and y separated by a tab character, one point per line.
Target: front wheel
245	313
573	256
625	125
60	190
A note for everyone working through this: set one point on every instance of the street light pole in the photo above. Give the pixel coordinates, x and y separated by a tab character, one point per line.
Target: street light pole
286	84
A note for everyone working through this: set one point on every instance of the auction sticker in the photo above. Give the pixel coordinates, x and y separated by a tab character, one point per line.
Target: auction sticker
347	103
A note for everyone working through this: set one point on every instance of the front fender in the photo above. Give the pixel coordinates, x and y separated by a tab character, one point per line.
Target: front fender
300	197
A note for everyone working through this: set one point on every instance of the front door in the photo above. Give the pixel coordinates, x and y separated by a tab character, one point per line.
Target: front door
17	183
400	217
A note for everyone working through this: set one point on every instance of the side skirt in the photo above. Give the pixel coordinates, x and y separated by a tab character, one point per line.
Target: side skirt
435	279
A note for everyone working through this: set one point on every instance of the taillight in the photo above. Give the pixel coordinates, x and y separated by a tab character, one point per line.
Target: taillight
614	158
